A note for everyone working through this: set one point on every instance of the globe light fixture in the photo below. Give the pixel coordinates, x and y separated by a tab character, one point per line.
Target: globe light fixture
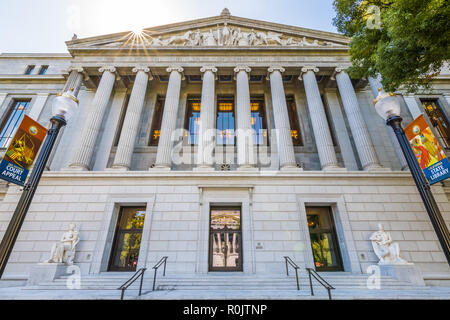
65	105
387	105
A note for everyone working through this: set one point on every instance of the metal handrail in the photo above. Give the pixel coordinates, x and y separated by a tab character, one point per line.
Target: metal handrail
129	282
157	265
319	279
295	266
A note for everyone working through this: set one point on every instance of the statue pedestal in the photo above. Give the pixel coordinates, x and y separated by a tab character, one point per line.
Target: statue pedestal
403	272
43	272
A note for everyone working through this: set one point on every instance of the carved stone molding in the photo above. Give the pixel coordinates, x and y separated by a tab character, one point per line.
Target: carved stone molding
77	69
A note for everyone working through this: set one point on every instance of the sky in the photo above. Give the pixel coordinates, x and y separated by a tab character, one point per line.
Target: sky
30	26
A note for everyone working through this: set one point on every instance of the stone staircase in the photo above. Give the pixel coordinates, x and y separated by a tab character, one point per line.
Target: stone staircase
227	285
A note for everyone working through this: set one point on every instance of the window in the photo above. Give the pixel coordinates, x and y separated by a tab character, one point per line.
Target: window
157	119
29	69
127	239
193	119
324	243
259	123
293	120
225	120
438	119
43	70
12	121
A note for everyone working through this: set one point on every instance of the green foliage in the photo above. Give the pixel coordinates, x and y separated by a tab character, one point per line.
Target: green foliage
408	47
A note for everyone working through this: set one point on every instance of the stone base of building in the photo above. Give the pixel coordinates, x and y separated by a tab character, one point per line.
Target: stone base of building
403	272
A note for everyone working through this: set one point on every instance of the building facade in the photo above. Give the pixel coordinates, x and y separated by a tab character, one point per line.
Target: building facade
224	143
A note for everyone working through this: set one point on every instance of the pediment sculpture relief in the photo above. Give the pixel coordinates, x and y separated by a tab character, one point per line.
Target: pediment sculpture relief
234	36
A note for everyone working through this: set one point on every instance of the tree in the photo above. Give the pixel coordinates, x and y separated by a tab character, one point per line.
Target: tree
405	41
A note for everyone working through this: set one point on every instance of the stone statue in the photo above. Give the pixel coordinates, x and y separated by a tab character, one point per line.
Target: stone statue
226	35
242	38
252	38
157	42
64	251
209	39
385	248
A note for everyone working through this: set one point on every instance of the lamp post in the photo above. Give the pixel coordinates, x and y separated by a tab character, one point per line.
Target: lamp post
64	106
388	107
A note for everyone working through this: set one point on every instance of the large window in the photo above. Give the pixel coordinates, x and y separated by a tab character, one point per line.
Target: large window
155	132
12	121
324	241
43	70
259	123
29	69
193	119
225	120
127	239
293	120
438	119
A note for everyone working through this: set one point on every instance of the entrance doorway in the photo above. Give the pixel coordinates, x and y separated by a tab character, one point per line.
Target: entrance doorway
225	239
324	243
438	119
127	239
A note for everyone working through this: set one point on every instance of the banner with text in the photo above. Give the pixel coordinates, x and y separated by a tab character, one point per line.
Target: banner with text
429	154
22	151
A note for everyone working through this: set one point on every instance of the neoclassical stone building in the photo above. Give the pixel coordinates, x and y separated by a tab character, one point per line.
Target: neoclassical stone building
224	143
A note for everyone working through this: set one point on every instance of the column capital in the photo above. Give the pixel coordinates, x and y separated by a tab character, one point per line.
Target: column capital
242	68
208	68
137	69
175	68
340	69
276	68
111	69
77	69
305	69
143	69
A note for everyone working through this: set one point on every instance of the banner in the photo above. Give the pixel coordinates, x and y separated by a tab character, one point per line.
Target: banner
429	154
22	151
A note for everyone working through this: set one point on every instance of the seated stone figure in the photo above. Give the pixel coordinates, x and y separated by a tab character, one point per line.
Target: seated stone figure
387	251
64	251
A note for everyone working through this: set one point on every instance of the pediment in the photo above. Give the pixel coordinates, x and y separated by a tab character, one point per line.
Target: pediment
216	32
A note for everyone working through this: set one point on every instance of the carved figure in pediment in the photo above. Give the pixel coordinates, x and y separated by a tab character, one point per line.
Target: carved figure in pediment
274	37
234	35
242	38
252	38
305	42
209	39
289	42
180	40
263	38
226	35
196	38
157	42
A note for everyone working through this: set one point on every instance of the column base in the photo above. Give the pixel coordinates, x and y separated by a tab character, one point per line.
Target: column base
160	168
291	169
76	168
247	168
334	168
118	168
204	168
377	168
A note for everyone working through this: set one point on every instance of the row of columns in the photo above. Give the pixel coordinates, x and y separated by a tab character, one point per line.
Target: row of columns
83	155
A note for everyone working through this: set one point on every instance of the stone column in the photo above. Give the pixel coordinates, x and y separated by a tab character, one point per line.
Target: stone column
207	132
281	117
360	132
244	132
169	120
414	108
83	154
375	86
322	135
125	148
74	81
